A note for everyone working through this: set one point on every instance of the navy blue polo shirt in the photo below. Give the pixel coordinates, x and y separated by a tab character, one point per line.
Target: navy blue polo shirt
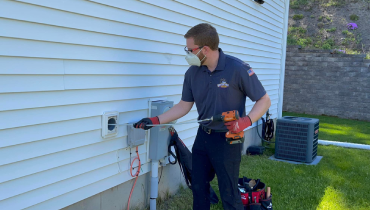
224	89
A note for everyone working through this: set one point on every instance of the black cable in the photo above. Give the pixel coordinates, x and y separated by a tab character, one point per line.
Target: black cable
263	140
130	155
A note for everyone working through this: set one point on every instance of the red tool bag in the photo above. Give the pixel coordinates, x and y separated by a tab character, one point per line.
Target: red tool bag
253	194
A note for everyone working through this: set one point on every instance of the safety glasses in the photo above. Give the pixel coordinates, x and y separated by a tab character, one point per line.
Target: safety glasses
192	50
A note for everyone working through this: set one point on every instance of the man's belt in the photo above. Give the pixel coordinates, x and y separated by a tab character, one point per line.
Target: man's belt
209	131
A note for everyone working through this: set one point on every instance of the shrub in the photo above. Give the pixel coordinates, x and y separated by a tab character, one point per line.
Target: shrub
353	52
329	3
367	56
329	42
291	40
312	16
304	42
298	30
295	4
297	17
320	25
345	42
331	30
354	17
348	34
326	47
320	18
318	44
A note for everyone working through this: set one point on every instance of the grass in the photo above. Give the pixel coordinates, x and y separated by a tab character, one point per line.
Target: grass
338	129
339	181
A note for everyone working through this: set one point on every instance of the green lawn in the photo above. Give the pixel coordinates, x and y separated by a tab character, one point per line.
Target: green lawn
339	181
337	129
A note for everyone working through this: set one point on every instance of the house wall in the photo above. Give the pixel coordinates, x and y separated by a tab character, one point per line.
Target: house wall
64	63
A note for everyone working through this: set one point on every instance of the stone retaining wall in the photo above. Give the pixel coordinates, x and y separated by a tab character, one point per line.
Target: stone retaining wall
320	83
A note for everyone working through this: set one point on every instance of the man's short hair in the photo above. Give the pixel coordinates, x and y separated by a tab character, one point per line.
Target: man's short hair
204	34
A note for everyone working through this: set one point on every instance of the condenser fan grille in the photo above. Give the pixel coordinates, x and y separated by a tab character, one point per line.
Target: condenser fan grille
315	141
293	136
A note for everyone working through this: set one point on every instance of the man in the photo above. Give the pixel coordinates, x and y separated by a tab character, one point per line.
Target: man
216	82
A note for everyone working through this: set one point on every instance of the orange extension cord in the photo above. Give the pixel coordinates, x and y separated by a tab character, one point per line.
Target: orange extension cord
137	175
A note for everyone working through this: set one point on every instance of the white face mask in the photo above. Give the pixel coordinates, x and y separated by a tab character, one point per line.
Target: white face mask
193	59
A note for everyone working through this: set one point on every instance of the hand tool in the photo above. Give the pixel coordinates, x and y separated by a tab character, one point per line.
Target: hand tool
197	121
268	192
231	138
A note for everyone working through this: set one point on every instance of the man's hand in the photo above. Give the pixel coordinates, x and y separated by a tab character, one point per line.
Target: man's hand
147	121
239	125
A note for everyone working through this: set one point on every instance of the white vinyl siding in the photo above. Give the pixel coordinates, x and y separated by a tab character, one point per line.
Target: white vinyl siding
63	63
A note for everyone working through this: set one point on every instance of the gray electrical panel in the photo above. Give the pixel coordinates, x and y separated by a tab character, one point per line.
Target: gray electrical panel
135	137
159	135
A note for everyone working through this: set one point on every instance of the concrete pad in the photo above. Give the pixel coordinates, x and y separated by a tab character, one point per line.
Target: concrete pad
315	162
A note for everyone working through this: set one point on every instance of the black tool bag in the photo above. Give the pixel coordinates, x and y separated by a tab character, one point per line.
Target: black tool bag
183	156
254	198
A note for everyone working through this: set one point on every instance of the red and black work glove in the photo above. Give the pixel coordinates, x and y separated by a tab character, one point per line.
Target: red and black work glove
239	125
143	123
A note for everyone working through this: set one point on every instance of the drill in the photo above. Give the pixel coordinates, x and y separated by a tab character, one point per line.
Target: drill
231	138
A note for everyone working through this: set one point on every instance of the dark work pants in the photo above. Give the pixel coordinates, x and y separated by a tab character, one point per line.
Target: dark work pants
212	155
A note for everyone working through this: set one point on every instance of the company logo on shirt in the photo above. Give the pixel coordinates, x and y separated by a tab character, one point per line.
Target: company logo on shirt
223	84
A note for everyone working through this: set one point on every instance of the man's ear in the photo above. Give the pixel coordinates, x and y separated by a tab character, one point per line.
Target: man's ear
206	50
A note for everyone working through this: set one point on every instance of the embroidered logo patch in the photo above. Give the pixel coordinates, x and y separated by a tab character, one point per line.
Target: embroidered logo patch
250	72
223	84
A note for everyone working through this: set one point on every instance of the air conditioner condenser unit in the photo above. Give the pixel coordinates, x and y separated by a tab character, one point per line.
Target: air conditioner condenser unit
297	139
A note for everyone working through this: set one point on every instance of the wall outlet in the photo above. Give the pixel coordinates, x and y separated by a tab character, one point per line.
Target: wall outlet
109	131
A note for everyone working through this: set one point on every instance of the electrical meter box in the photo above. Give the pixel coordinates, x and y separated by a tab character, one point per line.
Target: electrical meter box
159	135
